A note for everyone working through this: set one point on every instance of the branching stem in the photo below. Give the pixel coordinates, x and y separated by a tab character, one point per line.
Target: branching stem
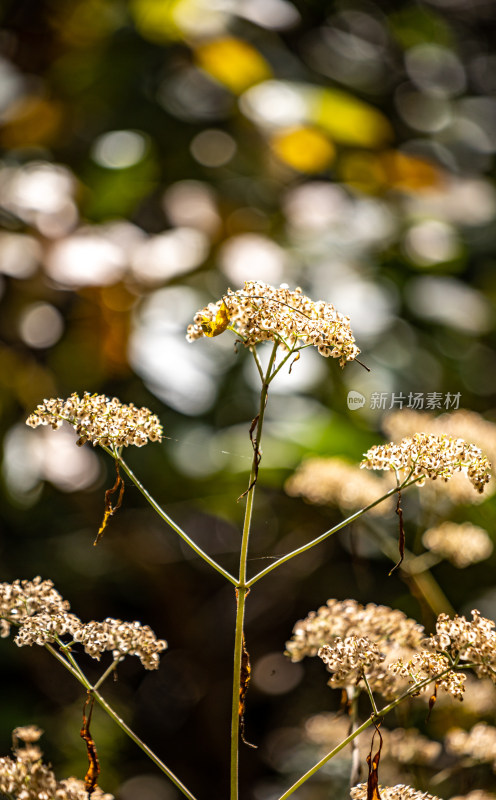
407	482
184	536
70	664
242	588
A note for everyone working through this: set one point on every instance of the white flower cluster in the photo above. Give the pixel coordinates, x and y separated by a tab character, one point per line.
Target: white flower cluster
122	638
350	659
425	455
472	641
426	666
398	792
99	420
21	600
392	650
259	312
42	617
342	618
355	636
25	777
456	640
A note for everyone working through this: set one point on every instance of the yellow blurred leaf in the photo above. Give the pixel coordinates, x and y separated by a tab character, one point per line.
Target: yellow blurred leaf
213	327
349	120
305	149
32	120
410	173
155	19
391	169
233	62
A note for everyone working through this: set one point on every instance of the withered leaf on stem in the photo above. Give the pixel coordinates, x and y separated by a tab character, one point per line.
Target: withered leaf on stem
91	777
401	539
245	677
373	763
109	508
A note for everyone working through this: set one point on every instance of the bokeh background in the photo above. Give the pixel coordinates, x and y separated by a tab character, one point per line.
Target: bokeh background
155	152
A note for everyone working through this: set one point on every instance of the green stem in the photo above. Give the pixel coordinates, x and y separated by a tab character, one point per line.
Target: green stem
353	693
371	696
184	536
363	727
70	664
241	586
328	533
292	351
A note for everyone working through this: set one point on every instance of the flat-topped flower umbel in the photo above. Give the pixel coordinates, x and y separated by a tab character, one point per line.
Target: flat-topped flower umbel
259	313
426	455
99	420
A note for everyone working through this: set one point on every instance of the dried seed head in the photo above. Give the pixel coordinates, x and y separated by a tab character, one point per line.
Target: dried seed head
42	616
358	638
260	313
398	792
425	455
99	420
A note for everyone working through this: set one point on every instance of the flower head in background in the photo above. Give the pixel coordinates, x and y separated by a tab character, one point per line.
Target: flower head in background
398	792
478	744
260	313
334	481
462	544
354	640
25	776
99	420
426	455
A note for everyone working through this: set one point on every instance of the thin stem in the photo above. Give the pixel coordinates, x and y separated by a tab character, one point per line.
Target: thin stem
363	727
286	358
241	586
253	351
184	536
110	669
371	696
328	533
353	693
77	672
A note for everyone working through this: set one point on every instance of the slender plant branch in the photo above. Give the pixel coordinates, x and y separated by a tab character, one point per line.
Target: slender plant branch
253	351
406	483
184	536
292	351
370	694
353	693
361	728
241	586
71	665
